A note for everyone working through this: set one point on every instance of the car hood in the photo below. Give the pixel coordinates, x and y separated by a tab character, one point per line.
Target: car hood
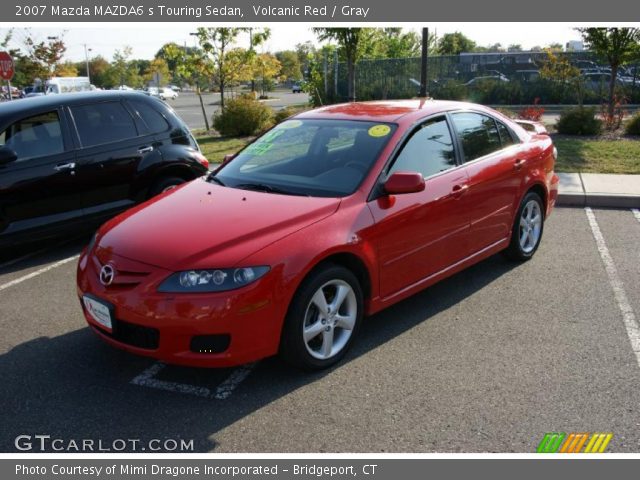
203	225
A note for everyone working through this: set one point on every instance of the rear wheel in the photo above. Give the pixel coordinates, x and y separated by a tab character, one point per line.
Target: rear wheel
527	228
323	319
165	184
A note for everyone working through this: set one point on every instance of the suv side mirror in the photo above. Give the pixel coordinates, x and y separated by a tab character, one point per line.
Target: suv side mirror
7	155
404	182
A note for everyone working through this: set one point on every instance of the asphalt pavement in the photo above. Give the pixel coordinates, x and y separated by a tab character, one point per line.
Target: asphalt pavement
187	105
487	361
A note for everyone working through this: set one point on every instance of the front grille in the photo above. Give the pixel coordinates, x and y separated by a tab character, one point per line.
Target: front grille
134	335
210	343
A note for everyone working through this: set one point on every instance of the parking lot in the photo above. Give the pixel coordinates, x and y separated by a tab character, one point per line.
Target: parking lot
187	105
486	361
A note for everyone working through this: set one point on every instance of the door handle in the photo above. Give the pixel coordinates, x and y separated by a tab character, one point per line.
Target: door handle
64	166
145	150
458	190
519	164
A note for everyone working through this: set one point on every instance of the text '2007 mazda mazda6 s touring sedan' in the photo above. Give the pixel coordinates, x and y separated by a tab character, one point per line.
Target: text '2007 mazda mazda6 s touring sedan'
332	215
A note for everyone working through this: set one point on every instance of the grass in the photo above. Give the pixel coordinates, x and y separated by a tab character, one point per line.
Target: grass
215	148
588	155
575	154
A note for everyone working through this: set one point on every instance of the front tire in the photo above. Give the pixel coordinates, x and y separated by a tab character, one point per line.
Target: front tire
527	228
323	319
165	184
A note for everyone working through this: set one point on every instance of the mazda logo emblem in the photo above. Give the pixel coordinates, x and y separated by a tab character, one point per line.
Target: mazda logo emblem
107	273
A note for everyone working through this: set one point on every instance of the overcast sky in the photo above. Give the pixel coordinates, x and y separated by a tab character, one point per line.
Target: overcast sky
146	39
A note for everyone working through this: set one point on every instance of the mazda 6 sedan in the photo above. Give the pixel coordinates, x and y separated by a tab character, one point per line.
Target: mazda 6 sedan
328	217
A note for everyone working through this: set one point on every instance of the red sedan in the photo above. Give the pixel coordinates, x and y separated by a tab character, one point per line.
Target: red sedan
328	217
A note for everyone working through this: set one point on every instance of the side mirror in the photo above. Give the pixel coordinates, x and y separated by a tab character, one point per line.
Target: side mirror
404	182
7	155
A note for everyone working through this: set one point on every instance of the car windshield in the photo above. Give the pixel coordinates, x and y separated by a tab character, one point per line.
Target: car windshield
323	158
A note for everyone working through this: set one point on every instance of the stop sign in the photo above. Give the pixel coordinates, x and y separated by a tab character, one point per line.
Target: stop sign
6	66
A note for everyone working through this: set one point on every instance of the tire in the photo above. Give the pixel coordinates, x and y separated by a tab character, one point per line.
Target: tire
337	326
164	184
528	225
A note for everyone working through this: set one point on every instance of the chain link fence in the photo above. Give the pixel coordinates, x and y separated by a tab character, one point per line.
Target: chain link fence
489	78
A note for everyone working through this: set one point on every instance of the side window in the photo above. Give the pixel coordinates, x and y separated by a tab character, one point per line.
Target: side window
428	151
35	136
505	135
478	134
103	123
151	117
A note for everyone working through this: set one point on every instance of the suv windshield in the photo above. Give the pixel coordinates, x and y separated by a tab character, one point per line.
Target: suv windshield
324	158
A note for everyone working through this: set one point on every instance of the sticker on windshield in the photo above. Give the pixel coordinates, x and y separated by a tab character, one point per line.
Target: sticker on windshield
379	130
272	135
258	149
290	124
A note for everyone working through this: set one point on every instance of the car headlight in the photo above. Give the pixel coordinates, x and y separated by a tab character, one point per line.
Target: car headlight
218	280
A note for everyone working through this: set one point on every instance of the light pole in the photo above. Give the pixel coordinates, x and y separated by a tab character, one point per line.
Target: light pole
86	58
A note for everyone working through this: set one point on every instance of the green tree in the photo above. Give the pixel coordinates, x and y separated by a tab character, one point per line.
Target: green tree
265	67
454	44
349	41
157	72
563	76
45	53
291	69
215	43
401	44
123	71
66	69
618	46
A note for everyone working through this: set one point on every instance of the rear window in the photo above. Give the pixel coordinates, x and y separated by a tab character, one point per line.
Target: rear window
101	123
151	117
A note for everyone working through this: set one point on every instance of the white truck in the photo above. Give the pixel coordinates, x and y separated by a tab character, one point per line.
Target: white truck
57	85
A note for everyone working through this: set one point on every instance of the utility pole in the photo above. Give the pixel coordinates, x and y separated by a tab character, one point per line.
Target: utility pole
424	64
86	58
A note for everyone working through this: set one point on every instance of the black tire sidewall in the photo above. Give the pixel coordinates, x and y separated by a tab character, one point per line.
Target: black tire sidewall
159	186
292	345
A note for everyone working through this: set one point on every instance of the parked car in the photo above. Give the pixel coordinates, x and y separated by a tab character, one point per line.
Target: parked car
487	78
296	88
70	161
336	213
167	94
527	76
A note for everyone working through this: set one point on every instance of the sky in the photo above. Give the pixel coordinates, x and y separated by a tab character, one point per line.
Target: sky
146	39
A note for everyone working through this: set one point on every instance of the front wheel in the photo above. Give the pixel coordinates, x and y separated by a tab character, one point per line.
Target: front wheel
323	319
527	228
164	185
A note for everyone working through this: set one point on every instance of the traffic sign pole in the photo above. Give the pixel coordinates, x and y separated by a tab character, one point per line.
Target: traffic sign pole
9	89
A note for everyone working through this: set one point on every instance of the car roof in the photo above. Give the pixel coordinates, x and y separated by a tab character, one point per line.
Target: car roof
53	101
391	111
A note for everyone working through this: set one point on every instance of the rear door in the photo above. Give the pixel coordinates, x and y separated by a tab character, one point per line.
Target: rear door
420	234
493	166
112	147
40	189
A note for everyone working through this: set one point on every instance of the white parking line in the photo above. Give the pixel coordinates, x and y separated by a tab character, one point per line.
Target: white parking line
38	272
636	213
222	392
629	318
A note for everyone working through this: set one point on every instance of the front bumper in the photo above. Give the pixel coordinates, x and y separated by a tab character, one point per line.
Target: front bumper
163	326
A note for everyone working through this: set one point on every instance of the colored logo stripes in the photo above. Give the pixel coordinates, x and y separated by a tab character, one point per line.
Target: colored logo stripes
555	442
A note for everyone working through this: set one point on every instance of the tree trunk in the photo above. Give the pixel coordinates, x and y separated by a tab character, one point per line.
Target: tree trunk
351	79
204	113
612	90
221	95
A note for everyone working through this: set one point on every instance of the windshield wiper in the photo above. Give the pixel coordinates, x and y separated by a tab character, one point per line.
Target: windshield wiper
263	187
216	179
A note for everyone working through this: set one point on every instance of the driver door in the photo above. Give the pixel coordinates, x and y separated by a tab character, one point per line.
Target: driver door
420	234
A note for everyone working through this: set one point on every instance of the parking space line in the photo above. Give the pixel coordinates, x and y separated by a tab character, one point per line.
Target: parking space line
628	316
38	272
636	213
222	392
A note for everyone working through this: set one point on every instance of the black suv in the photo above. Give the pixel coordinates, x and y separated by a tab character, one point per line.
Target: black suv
76	159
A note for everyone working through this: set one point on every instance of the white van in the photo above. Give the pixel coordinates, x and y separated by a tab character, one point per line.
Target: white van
67	84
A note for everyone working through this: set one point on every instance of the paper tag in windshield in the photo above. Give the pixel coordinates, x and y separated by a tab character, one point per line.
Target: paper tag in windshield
290	124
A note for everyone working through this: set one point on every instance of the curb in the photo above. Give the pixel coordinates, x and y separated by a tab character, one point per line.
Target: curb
599	200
